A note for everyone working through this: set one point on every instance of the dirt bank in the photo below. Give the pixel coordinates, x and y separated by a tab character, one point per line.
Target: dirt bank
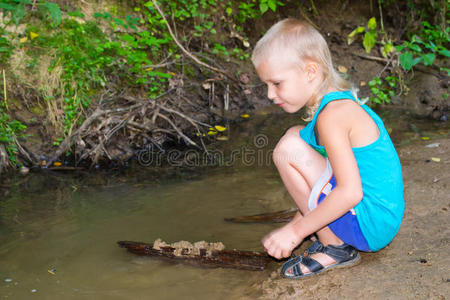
415	265
123	120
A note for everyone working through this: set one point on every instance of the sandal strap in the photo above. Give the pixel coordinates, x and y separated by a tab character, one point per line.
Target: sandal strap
317	246
312	264
341	253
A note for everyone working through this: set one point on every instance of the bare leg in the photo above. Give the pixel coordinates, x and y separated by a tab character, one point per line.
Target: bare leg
300	166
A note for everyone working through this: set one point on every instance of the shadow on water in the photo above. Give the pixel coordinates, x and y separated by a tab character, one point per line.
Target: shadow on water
58	230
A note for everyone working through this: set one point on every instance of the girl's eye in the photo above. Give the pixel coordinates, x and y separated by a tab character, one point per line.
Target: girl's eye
276	83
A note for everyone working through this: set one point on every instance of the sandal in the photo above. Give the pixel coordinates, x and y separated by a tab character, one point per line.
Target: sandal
344	255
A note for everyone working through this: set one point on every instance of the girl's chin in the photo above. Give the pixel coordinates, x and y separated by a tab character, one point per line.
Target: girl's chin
289	109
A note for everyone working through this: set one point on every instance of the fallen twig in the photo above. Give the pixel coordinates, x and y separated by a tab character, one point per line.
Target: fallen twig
186	138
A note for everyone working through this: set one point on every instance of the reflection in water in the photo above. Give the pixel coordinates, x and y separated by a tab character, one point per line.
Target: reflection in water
58	231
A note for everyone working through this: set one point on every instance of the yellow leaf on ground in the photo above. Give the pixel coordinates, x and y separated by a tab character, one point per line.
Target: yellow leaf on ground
33	35
425	138
245	116
212	132
148	69
342	69
436	159
220	128
57	164
363	83
23	40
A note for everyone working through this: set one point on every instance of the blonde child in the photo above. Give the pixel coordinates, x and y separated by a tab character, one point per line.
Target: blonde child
341	169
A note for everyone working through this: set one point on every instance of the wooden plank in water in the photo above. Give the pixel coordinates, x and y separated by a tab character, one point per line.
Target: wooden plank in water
244	260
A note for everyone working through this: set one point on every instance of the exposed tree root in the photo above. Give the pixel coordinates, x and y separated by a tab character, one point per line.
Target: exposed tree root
130	127
4	161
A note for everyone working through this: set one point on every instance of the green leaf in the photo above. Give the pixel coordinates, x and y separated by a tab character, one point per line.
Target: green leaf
127	38
55	12
352	35
446	70
399	48
6	6
416	60
428	59
18	13
159	74
272	5
407	61
372	24
444	52
415	47
388	48
263	7
369	40
229	10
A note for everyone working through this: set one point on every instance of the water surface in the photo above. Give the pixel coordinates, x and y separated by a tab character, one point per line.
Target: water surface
68	224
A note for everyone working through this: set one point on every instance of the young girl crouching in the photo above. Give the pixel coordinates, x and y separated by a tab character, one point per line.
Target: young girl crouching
341	169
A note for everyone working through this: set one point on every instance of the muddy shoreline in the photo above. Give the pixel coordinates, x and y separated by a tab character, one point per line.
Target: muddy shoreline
415	264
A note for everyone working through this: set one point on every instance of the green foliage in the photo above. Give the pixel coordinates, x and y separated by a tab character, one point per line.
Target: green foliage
9	131
5	47
426	44
264	5
85	54
370	34
17	9
425	47
132	51
383	89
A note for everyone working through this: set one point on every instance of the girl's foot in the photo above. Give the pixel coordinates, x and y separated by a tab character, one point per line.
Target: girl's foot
319	258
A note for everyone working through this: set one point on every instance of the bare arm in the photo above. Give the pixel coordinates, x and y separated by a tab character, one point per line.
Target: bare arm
334	126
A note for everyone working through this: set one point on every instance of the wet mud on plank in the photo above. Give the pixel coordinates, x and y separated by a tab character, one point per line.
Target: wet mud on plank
237	259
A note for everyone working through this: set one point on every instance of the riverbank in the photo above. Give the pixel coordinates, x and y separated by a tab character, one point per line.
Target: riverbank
57	110
415	265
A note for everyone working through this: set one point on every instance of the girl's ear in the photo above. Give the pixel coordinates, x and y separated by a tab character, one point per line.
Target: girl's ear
312	70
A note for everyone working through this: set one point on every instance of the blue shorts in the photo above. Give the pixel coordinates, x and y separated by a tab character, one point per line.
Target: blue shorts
346	227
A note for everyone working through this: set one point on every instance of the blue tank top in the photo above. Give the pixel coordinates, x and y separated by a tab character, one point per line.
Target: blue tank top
380	212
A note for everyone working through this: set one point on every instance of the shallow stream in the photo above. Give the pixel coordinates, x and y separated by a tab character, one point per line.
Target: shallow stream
58	231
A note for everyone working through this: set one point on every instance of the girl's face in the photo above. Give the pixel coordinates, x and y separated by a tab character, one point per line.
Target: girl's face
289	86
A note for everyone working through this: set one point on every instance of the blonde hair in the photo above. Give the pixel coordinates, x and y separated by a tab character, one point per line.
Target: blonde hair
305	43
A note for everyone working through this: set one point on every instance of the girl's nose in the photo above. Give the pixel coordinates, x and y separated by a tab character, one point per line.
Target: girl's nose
270	92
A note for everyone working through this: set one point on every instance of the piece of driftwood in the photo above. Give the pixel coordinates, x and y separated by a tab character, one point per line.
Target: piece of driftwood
244	260
283	216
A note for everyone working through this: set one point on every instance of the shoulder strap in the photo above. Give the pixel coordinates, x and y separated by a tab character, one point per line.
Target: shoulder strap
332	96
336	96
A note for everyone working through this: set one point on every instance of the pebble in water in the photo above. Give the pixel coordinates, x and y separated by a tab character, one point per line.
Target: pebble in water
8	280
34	290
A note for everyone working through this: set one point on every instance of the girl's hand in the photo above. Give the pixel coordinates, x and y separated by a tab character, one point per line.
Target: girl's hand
280	242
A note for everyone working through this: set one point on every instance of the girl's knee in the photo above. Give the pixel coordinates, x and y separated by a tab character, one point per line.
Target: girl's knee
288	146
294	130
